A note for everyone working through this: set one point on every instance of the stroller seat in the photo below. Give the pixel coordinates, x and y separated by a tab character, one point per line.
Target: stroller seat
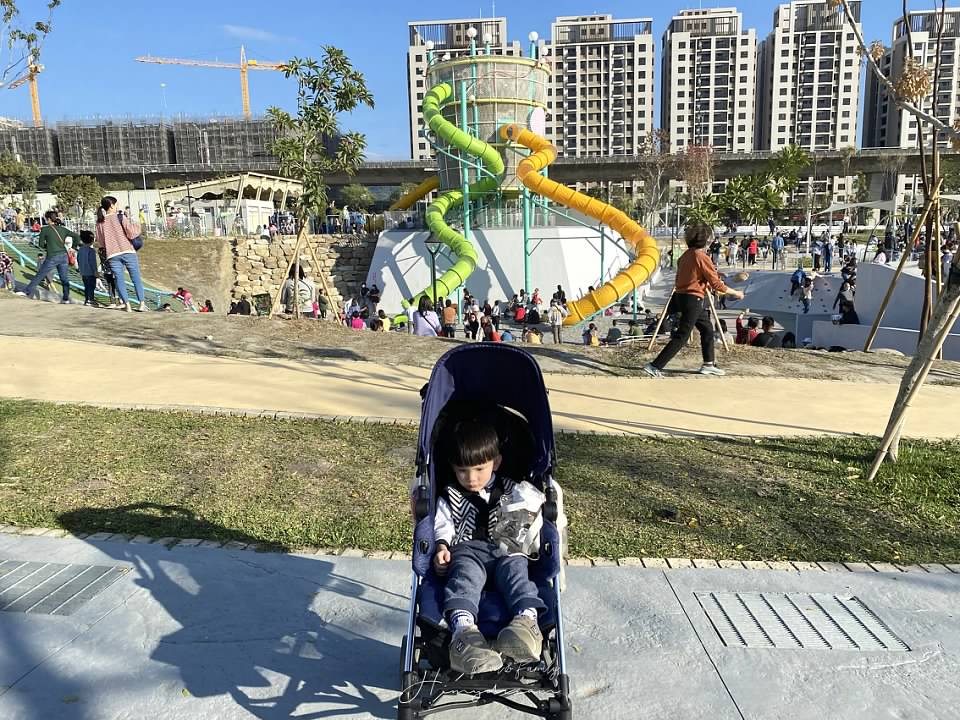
494	615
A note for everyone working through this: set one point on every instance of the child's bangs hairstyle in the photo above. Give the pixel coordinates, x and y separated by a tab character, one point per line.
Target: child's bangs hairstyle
473	443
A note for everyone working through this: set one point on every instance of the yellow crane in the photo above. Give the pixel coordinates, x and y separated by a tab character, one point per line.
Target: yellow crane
243	66
33	69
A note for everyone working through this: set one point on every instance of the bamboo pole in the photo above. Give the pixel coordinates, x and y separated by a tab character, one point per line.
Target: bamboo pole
321	275
663	315
716	321
907	251
945	316
295	260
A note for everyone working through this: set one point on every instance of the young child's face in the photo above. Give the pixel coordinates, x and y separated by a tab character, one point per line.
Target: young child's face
475	477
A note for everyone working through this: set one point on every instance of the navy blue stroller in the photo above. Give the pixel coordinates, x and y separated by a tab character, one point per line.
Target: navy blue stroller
504	386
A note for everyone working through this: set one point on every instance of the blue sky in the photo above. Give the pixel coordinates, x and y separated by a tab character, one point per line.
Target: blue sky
90	67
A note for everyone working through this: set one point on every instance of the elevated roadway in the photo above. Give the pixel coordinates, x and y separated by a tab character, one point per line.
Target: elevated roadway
565	170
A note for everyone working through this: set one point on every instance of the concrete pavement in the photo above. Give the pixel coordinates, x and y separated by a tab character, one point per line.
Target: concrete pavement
211	633
34	368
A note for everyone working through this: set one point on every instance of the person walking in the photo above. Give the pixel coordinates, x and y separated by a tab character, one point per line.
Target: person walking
53	241
695	276
114	233
555	315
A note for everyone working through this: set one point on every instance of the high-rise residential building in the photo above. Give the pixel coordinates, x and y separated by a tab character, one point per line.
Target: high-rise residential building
709	81
810	83
888	125
449	37
603	85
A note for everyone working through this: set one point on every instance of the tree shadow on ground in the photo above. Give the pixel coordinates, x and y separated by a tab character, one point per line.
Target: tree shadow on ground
259	627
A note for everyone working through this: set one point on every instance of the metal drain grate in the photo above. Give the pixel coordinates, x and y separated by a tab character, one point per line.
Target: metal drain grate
797	620
51	588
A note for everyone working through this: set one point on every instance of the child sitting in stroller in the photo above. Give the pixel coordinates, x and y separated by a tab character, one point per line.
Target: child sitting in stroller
476	541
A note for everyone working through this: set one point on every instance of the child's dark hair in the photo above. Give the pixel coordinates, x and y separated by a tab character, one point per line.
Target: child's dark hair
473	442
752	323
86	237
698	236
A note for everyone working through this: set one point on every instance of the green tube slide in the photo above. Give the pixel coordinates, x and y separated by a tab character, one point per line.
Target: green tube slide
492	162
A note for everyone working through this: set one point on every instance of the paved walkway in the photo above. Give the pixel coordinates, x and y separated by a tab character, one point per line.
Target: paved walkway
211	633
36	368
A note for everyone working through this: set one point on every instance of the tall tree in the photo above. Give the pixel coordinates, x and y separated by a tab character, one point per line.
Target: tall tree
120	186
356	196
657	160
70	189
696	165
17	177
787	166
325	90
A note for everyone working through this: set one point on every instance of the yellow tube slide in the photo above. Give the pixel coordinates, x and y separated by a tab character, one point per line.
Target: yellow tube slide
644	246
428	185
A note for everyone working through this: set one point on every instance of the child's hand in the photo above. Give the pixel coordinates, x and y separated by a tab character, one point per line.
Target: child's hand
441	561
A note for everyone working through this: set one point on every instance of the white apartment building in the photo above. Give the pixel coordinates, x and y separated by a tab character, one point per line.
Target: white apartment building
449	37
886	124
709	81
809	85
603	84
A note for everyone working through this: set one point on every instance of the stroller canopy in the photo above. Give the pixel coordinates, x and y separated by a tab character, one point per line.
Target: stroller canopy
496	374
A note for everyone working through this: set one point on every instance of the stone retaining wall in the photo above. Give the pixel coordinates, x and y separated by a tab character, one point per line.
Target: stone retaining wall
260	265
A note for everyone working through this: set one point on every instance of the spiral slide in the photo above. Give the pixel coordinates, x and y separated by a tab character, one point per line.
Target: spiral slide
492	162
644	246
428	185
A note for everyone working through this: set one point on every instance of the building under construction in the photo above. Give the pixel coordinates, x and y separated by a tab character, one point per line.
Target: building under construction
118	147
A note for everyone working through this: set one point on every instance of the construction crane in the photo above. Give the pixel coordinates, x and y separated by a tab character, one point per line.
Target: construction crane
242	67
33	69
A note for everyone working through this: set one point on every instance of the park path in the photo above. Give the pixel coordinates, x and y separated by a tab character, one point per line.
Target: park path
109	376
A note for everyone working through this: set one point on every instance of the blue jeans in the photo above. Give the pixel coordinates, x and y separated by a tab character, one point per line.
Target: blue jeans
131	262
471	562
49	262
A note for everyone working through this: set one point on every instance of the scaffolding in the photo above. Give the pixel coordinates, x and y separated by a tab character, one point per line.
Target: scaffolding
228	141
107	144
34	146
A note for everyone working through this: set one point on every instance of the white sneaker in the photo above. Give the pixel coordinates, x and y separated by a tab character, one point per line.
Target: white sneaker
652	370
21	293
68	301
711	370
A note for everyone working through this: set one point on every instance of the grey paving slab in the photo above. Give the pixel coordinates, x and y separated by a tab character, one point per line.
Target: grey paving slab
200	633
206	633
805	684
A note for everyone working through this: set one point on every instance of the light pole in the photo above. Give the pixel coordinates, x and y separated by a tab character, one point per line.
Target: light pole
433	247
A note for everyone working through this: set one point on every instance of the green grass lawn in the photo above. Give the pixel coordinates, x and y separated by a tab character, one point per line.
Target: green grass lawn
294	483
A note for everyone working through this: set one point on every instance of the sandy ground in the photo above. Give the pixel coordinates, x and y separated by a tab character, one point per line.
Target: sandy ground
247	337
682	405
